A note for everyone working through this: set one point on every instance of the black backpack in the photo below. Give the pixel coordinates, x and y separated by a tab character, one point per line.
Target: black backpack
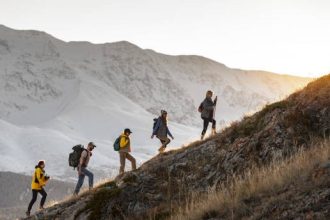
74	157
201	108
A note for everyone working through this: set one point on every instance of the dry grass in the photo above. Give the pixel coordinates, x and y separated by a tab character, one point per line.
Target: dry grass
228	201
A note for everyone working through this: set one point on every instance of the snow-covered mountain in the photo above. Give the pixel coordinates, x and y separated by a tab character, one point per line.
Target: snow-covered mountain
55	94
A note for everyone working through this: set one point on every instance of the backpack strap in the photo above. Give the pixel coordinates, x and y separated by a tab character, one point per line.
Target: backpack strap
84	159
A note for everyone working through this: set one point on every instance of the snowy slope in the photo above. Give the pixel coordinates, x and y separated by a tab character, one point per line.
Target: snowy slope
55	94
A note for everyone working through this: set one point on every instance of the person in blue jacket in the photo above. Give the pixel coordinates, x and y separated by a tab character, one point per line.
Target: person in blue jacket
161	131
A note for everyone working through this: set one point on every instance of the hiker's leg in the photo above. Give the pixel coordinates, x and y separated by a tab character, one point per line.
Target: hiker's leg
163	142
213	127
43	199
214	123
79	183
33	200
90	177
162	147
166	142
132	159
205	125
122	158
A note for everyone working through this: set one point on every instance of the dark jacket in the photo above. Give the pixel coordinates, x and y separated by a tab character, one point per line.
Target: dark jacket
161	130
208	108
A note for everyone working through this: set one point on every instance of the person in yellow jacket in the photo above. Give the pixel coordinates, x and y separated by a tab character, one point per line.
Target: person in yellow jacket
124	151
39	180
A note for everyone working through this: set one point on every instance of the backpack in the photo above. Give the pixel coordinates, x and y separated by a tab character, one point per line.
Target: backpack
116	144
74	157
201	108
155	122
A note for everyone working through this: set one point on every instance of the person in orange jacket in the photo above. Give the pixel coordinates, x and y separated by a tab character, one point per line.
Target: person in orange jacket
39	180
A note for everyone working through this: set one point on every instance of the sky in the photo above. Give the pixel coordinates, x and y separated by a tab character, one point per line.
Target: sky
283	36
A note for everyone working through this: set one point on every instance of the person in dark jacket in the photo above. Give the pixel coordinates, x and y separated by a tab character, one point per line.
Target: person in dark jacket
207	108
39	180
162	132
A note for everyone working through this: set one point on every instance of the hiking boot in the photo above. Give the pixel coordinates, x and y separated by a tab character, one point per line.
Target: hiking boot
41	208
214	132
161	149
202	137
27	214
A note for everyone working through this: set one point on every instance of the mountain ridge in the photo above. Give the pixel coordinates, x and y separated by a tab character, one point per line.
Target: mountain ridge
54	95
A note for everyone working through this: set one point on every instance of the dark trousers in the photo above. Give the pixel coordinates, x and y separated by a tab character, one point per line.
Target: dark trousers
206	122
34	198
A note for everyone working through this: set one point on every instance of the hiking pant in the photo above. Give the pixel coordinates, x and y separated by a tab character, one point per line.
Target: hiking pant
123	156
81	179
34	198
165	141
206	124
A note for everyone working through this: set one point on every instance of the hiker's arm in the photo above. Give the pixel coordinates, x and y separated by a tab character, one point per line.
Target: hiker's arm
169	133
215	100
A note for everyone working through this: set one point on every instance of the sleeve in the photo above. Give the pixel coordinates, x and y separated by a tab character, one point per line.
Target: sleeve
169	133
123	142
154	132
215	100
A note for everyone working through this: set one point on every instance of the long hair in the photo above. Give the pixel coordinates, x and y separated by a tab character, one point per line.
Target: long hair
41	162
164	119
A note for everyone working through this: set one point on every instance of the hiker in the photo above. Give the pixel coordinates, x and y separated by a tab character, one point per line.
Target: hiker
207	110
161	131
82	168
124	151
39	180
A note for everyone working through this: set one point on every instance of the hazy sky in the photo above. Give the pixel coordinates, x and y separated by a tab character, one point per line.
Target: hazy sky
284	36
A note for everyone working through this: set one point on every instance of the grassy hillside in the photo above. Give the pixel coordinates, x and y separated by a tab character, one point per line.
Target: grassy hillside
232	165
294	188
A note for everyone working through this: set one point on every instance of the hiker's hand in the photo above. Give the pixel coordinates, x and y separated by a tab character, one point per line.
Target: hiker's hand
172	138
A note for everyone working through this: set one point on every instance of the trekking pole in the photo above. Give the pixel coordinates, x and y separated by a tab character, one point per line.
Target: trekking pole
215	106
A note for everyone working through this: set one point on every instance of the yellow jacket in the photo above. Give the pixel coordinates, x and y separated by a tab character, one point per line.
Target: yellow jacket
125	145
38	179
